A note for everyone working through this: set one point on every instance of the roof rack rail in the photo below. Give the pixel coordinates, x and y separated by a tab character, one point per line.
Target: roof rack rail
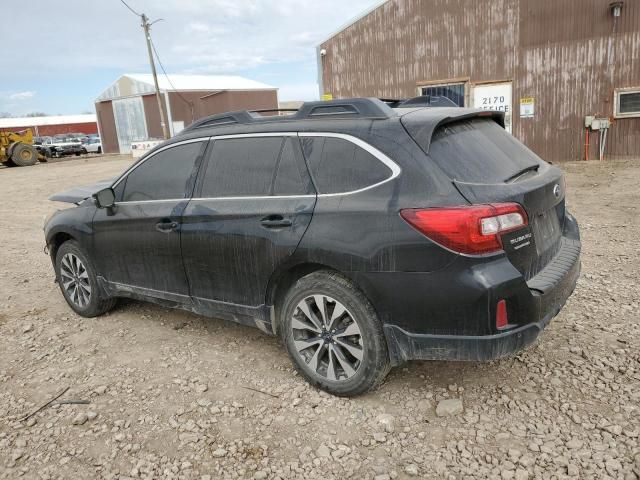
361	108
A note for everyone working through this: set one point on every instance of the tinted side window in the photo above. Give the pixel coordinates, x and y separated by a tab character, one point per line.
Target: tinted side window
289	178
164	176
242	167
338	165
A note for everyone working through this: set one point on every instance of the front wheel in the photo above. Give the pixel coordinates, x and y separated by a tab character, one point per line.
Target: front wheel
24	155
78	283
333	335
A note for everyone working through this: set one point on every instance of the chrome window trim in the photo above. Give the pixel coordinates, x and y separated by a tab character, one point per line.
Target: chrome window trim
394	167
263	197
200	199
256	135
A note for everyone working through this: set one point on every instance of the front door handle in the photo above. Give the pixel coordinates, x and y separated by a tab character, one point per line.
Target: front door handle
166	226
275	221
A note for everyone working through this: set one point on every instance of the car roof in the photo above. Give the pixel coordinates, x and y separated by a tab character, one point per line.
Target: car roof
338	116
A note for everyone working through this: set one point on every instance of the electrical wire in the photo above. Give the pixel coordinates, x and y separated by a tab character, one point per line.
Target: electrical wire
153	46
132	10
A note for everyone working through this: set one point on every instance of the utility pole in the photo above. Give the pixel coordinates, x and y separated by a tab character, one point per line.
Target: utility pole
147	36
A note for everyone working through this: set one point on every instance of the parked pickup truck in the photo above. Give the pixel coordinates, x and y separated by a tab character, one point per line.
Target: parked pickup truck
59	147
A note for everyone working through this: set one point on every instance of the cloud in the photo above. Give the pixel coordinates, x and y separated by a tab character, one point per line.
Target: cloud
247	37
21	95
17	96
196	35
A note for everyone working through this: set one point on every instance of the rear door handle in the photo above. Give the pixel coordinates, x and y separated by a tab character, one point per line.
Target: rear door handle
166	226
275	221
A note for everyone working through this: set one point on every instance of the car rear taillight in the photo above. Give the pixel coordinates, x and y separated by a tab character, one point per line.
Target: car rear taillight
472	230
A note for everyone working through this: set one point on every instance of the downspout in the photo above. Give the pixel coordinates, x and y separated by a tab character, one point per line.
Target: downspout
321	91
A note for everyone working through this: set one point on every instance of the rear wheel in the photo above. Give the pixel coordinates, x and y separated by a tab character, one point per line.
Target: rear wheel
99	150
333	335
78	283
24	155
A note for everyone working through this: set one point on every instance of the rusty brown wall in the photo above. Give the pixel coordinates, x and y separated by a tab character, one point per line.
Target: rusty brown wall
107	126
152	115
565	53
191	106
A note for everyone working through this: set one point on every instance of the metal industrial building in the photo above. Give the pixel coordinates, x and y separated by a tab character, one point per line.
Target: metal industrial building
550	64
128	110
51	125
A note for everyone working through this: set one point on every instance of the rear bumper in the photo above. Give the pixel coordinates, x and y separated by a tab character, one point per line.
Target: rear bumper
404	346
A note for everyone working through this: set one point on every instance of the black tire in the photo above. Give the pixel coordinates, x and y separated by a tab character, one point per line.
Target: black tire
24	155
99	150
374	366
97	304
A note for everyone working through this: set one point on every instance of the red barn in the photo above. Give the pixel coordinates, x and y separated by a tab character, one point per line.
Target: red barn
52	125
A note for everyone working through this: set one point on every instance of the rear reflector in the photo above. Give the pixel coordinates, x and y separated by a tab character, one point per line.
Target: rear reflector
502	321
472	230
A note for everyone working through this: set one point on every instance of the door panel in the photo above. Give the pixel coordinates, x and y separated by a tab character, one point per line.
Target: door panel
139	245
137	242
231	247
255	203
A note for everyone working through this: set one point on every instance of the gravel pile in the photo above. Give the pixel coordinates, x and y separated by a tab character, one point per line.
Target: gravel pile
155	393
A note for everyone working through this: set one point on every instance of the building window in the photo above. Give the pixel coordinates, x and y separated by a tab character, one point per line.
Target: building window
627	102
452	91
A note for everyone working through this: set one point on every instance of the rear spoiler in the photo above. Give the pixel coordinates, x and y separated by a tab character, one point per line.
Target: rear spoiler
424	122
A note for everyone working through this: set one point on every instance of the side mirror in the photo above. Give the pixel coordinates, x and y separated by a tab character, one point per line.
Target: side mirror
105	198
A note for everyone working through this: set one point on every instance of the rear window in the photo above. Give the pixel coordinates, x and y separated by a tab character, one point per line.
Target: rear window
479	151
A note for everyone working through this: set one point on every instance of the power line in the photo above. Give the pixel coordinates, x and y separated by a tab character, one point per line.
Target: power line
132	10
170	82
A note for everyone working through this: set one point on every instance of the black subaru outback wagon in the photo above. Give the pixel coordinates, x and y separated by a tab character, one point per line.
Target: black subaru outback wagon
363	235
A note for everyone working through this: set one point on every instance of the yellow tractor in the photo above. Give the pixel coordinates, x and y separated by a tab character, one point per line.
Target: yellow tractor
16	149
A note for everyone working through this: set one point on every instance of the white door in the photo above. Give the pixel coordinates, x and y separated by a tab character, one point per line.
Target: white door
495	96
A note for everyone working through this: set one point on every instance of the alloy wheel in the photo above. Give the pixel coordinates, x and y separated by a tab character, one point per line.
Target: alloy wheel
327	337
75	280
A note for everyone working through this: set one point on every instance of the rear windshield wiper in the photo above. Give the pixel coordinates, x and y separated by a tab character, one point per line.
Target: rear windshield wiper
531	168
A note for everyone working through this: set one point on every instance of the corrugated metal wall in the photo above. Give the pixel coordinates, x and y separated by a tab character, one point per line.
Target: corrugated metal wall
567	54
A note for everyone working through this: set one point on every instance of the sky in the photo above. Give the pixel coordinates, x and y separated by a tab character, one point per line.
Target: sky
77	48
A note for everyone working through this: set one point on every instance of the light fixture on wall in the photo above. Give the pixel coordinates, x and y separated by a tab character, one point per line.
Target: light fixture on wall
616	8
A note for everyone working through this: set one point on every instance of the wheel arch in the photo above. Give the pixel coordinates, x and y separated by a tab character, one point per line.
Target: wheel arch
282	281
56	241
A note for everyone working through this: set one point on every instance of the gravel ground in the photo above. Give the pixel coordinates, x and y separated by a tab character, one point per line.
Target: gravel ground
173	395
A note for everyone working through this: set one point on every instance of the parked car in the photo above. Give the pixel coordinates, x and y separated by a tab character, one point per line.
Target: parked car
59	146
364	236
93	145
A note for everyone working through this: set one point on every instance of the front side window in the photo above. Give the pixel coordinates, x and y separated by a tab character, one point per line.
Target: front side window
164	176
338	165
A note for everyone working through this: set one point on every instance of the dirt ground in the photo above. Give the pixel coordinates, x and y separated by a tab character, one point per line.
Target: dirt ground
174	395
